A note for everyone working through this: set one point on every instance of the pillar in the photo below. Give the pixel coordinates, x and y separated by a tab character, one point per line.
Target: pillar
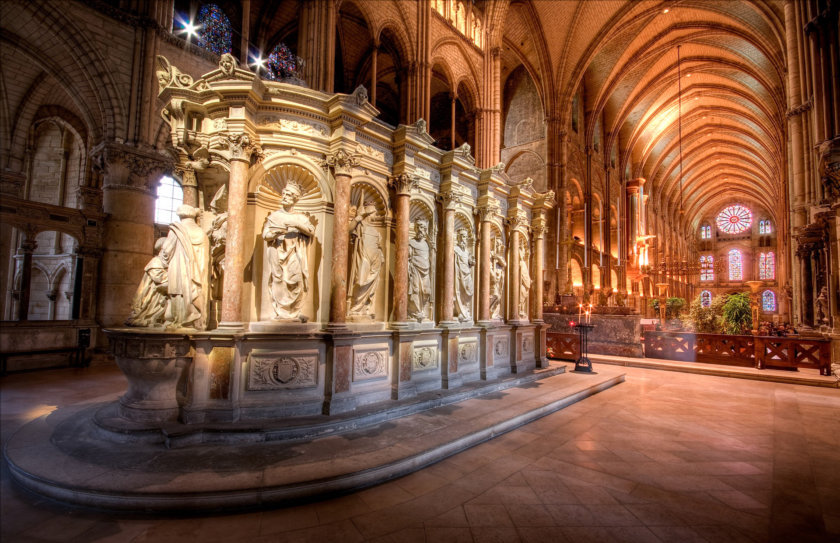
401	185
486	214
447	313
341	163
189	184
130	178
452	121
513	270
241	150
374	59
26	249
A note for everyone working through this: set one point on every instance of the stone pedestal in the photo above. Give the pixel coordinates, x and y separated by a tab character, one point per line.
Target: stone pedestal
617	335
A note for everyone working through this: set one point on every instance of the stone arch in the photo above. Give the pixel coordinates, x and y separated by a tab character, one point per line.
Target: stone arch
364	190
268	178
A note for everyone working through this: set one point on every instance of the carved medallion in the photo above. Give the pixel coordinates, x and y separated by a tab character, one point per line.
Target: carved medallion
424	358
467	352
500	349
369	364
267	372
528	344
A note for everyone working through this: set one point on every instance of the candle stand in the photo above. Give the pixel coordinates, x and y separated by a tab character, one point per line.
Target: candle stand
583	364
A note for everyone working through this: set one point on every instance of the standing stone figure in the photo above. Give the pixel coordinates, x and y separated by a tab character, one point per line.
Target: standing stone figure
149	304
288	234
366	262
524	280
186	253
464	285
419	268
498	265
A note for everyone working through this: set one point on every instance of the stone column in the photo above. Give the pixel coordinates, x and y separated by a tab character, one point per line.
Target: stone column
26	249
538	229
454	98
401	185
341	163
447	313
130	178
189	184
513	271
241	150
374	56
486	217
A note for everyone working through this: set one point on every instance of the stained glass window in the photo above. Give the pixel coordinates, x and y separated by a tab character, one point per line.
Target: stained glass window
169	197
705	232
215	32
734	219
707	268
764	226
736	273
768	301
767	265
705	299
281	63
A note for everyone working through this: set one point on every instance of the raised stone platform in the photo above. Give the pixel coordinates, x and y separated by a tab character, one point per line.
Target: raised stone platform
65	455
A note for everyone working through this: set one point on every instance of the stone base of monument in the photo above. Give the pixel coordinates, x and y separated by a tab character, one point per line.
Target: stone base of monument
613	334
90	455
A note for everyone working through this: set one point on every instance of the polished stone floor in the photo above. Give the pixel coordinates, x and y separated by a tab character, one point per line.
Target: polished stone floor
664	456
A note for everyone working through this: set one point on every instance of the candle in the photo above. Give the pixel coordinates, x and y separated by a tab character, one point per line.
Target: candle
580	309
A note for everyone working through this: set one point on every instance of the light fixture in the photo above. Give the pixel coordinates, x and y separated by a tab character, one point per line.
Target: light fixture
666	10
258	61
189	28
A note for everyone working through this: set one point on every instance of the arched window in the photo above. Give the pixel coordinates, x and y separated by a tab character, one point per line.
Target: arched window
281	64
707	268
734	219
767	265
705	299
215	33
736	273
768	301
170	195
705	232
764	227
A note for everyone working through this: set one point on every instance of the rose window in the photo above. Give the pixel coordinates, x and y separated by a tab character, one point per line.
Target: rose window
734	219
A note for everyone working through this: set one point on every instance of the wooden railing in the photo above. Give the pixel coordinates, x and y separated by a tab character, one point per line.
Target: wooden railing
562	346
750	351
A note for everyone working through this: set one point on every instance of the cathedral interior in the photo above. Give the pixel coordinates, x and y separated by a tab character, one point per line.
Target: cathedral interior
285	219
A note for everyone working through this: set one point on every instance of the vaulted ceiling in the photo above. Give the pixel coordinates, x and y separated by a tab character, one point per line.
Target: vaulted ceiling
623	57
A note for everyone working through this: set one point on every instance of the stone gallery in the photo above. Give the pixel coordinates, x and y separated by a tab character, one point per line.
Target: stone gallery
286	220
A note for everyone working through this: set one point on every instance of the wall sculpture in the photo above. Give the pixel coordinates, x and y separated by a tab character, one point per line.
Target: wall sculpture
464	283
419	271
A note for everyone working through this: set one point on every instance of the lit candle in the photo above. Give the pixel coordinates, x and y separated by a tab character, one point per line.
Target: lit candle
580	309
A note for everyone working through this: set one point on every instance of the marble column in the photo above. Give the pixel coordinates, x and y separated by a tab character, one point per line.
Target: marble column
341	163
25	249
447	314
486	214
401	185
189	184
241	150
513	271
454	98
538	229
374	56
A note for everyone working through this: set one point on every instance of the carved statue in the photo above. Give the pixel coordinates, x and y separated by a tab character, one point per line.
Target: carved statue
218	239
186	253
464	283
822	306
524	279
498	265
419	271
620	299
227	64
366	261
149	304
288	234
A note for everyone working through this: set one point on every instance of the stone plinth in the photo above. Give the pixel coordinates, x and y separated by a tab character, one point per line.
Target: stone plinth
618	335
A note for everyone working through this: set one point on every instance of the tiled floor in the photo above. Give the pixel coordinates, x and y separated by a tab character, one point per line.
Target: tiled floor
664	456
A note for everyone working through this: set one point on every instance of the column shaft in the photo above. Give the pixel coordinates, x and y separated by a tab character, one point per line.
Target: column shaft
235	247
448	306
484	270
537	277
513	274
401	260
341	238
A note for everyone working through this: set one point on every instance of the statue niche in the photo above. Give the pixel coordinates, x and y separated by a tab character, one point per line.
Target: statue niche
366	260
419	271
498	267
288	233
524	278
464	281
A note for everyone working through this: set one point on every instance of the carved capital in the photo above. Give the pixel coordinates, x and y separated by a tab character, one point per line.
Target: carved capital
186	173
341	162
447	199
402	184
539	226
130	167
242	147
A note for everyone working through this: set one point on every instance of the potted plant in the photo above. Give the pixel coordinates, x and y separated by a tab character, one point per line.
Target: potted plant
737	317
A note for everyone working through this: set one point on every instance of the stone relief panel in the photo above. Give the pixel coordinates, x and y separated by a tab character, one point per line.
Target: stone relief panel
501	349
370	364
424	356
527	344
467	352
269	370
296	126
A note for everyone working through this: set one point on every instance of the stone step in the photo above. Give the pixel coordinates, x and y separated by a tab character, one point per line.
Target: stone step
60	455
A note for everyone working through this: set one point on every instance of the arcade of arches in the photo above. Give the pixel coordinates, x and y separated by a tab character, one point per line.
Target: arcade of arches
692	143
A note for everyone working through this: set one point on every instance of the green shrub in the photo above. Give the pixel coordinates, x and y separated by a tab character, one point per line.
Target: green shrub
737	317
673	306
707	320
